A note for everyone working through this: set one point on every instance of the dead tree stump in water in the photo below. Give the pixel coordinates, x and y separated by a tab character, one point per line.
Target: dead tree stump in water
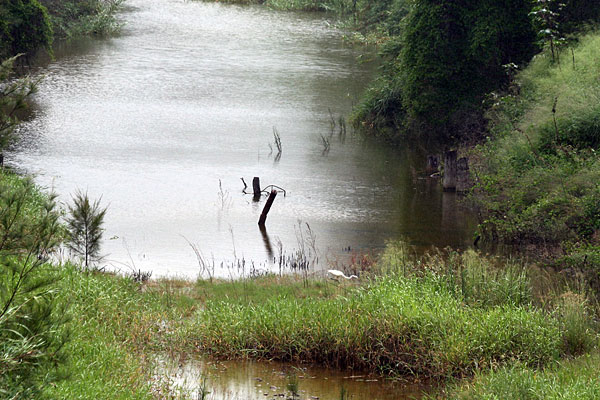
449	182
270	200
256	187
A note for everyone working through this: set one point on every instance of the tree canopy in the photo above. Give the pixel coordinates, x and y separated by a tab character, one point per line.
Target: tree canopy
24	27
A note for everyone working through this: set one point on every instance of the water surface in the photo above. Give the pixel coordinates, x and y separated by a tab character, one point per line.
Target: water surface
251	380
163	121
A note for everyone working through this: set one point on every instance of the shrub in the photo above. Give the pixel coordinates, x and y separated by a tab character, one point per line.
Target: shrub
85	227
25	27
32	332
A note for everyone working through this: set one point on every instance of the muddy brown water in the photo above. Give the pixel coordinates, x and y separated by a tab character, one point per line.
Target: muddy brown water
164	120
250	380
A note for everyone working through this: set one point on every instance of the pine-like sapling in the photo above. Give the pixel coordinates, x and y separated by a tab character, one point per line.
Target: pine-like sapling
85	227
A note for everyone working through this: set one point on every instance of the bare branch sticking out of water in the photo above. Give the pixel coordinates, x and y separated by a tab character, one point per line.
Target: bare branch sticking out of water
342	132
277	141
331	122
225	200
267	189
326	144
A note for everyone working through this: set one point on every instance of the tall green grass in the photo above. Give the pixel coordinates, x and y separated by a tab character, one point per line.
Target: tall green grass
110	331
436	318
569	380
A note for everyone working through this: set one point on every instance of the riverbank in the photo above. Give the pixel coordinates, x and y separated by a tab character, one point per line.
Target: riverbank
536	179
575	379
437	317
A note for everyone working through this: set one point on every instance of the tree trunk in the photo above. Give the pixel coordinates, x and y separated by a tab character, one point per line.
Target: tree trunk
270	200
256	187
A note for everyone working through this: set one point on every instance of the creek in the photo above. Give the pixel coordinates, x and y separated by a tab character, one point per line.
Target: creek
163	121
251	380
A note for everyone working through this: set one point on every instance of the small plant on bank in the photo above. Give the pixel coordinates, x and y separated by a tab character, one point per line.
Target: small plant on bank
85	227
545	15
292	387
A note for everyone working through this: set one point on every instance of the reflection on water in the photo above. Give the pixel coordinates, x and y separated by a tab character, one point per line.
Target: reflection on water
249	380
163	122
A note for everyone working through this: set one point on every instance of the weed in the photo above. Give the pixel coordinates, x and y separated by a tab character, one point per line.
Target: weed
203	391
71	18
342	132
225	200
292	386
343	393
568	380
326	144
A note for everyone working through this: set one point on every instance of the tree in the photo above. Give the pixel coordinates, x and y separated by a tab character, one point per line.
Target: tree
24	27
85	226
32	321
546	14
452	55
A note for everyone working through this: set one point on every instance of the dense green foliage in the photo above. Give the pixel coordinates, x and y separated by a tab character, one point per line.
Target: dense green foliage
24	27
32	321
72	18
13	94
452	54
538	180
29	25
446	58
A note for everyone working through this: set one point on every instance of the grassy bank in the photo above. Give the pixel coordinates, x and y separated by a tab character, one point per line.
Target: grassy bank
570	380
536	181
64	333
437	318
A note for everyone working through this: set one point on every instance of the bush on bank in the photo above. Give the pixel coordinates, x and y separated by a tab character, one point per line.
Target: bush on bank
30	25
73	18
24	27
